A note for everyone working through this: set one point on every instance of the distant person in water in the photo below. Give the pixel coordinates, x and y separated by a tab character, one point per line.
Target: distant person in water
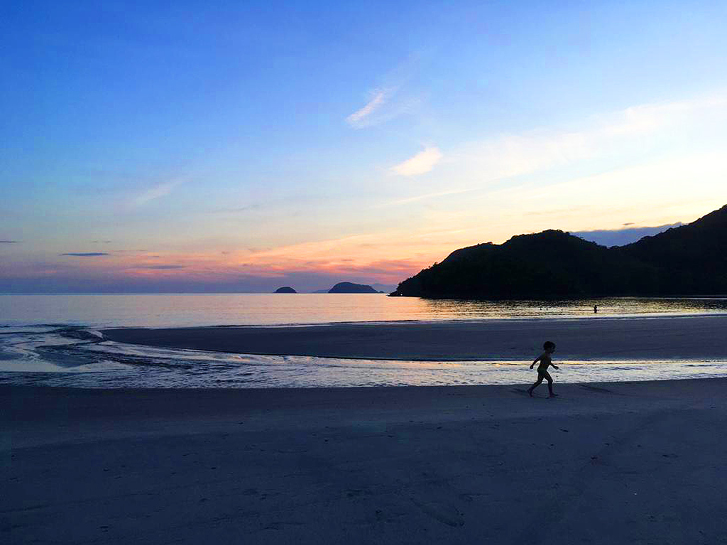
545	362
595	309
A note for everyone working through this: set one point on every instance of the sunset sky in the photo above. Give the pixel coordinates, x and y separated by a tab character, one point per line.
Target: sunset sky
242	146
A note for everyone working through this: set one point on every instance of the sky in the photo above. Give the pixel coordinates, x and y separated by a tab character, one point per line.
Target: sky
242	146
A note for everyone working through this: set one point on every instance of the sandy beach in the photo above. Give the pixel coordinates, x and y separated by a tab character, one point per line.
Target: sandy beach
603	463
655	338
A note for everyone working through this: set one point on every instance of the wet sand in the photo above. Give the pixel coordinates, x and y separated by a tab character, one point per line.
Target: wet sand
654	338
601	464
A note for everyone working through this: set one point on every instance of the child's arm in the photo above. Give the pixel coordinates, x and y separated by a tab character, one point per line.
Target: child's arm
536	361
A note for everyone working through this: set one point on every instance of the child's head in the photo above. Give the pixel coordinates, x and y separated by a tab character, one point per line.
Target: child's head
549	346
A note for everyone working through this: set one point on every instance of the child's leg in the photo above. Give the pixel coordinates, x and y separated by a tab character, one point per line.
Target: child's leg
537	383
550	383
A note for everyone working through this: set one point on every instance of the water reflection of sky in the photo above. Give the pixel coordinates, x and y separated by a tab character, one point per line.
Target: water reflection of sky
615	306
271	309
49	357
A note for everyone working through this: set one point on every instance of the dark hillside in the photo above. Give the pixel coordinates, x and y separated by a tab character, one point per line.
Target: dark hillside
686	260
691	259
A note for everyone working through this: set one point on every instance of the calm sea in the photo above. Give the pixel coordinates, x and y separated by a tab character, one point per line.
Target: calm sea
52	340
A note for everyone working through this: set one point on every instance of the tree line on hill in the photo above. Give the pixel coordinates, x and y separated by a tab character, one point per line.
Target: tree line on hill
686	260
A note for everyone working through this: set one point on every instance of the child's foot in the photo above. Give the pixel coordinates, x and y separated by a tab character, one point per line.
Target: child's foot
553	395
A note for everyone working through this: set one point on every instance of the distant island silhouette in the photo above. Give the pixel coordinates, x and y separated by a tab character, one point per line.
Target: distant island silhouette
350	287
686	260
285	289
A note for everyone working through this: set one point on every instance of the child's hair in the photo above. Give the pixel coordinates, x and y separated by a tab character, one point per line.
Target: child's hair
548	345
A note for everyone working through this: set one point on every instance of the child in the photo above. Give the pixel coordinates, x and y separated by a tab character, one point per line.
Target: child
545	362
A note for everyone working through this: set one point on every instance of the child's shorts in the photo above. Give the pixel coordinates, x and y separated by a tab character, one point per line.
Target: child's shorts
543	373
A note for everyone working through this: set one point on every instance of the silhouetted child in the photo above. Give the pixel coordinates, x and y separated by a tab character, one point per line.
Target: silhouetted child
545	362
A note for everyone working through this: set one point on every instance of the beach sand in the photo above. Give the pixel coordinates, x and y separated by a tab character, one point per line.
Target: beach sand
653	338
601	464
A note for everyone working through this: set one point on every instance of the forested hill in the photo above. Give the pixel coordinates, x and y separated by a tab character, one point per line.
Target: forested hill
686	260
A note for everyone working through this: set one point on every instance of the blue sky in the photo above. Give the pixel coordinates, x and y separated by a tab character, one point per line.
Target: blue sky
244	146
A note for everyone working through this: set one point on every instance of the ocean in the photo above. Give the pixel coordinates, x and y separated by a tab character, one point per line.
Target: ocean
53	340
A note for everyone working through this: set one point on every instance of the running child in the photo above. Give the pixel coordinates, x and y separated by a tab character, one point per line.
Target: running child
545	362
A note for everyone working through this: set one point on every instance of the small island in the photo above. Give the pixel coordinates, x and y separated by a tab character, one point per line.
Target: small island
350	287
285	289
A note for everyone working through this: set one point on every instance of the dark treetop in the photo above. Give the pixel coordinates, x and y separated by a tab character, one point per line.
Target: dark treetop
687	260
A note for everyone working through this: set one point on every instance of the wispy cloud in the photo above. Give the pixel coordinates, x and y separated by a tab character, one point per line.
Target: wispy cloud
510	155
660	191
391	97
161	267
630	134
85	254
9	242
362	118
236	209
384	257
425	196
156	192
421	163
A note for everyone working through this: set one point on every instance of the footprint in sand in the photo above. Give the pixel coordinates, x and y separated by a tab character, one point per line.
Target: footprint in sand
444	513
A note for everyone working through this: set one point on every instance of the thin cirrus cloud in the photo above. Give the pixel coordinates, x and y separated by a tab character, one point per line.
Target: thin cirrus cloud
8	241
390	99
421	163
607	135
379	108
156	192
415	198
364	253
236	209
479	164
85	254
161	267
